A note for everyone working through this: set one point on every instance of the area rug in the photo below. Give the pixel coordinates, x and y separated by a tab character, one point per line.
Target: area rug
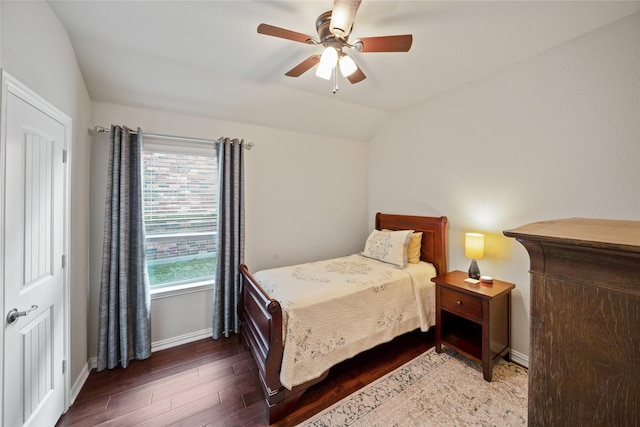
435	390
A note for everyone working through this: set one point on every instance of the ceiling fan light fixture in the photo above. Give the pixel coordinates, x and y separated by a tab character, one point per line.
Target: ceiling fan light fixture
329	57
342	16
324	71
347	65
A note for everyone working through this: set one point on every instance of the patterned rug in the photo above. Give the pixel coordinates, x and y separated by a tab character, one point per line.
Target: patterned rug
435	390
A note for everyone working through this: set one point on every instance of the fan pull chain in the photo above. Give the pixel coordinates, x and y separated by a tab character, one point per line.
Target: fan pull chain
335	81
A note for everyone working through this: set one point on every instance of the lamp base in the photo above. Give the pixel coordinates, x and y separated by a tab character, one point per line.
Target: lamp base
474	271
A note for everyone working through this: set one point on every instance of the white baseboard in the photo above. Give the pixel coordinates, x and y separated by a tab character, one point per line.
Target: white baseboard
77	385
519	358
182	339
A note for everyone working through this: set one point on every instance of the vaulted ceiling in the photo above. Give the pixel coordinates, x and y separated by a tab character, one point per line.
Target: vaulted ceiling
206	58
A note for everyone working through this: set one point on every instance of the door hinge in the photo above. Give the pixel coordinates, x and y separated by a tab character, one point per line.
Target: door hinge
64	261
64	366
64	156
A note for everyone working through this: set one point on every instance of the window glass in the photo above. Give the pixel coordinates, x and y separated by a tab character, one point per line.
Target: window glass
180	214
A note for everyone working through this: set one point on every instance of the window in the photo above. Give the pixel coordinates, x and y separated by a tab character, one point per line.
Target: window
180	214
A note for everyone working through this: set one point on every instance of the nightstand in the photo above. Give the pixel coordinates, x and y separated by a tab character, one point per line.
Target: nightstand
473	320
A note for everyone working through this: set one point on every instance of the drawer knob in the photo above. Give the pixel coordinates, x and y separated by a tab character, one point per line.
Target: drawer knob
459	302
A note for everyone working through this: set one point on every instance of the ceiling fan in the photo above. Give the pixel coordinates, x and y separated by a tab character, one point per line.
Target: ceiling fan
334	28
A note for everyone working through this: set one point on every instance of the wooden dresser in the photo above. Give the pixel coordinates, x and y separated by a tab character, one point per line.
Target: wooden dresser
584	363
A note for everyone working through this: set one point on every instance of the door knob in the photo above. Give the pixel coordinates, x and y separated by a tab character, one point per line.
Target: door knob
13	314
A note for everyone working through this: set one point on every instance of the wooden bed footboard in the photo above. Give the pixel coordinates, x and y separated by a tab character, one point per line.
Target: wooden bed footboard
262	332
262	329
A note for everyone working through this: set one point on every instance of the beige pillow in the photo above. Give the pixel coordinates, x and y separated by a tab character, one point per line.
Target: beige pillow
388	246
414	247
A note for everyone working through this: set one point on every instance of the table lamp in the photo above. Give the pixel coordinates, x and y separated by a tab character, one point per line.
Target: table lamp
474	249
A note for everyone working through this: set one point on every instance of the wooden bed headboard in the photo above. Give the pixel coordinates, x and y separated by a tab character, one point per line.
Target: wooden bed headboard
434	248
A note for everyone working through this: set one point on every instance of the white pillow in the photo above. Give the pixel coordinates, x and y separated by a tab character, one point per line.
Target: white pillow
388	246
414	248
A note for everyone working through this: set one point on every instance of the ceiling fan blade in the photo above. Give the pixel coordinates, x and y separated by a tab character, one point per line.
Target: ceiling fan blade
283	33
303	66
386	43
356	76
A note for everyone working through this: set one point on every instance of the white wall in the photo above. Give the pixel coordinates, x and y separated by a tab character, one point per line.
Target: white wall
306	199
554	136
37	51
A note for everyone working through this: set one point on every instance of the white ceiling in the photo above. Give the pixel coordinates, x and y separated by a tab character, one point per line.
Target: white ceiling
205	57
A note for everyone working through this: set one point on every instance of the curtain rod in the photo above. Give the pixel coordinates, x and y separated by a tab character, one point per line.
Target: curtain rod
101	129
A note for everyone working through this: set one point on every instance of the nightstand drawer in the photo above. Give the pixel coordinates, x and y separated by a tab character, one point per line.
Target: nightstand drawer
461	304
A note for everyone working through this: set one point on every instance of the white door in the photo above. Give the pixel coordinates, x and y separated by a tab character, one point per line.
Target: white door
33	272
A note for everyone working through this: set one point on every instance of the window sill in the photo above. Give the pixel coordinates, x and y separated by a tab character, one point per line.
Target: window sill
172	291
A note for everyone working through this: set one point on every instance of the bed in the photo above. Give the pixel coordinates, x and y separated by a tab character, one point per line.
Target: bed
296	335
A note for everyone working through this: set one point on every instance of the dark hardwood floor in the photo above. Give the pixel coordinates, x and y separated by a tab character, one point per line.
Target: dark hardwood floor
214	383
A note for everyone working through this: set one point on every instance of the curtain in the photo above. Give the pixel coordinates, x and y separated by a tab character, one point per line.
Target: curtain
228	283
124	323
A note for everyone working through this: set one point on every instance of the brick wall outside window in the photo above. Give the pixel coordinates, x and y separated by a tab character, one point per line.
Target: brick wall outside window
180	196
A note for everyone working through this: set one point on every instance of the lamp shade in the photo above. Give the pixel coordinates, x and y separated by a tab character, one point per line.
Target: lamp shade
347	66
329	57
342	17
474	245
328	61
324	71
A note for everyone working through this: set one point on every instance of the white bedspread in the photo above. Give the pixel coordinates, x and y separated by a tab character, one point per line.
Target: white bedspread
335	309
